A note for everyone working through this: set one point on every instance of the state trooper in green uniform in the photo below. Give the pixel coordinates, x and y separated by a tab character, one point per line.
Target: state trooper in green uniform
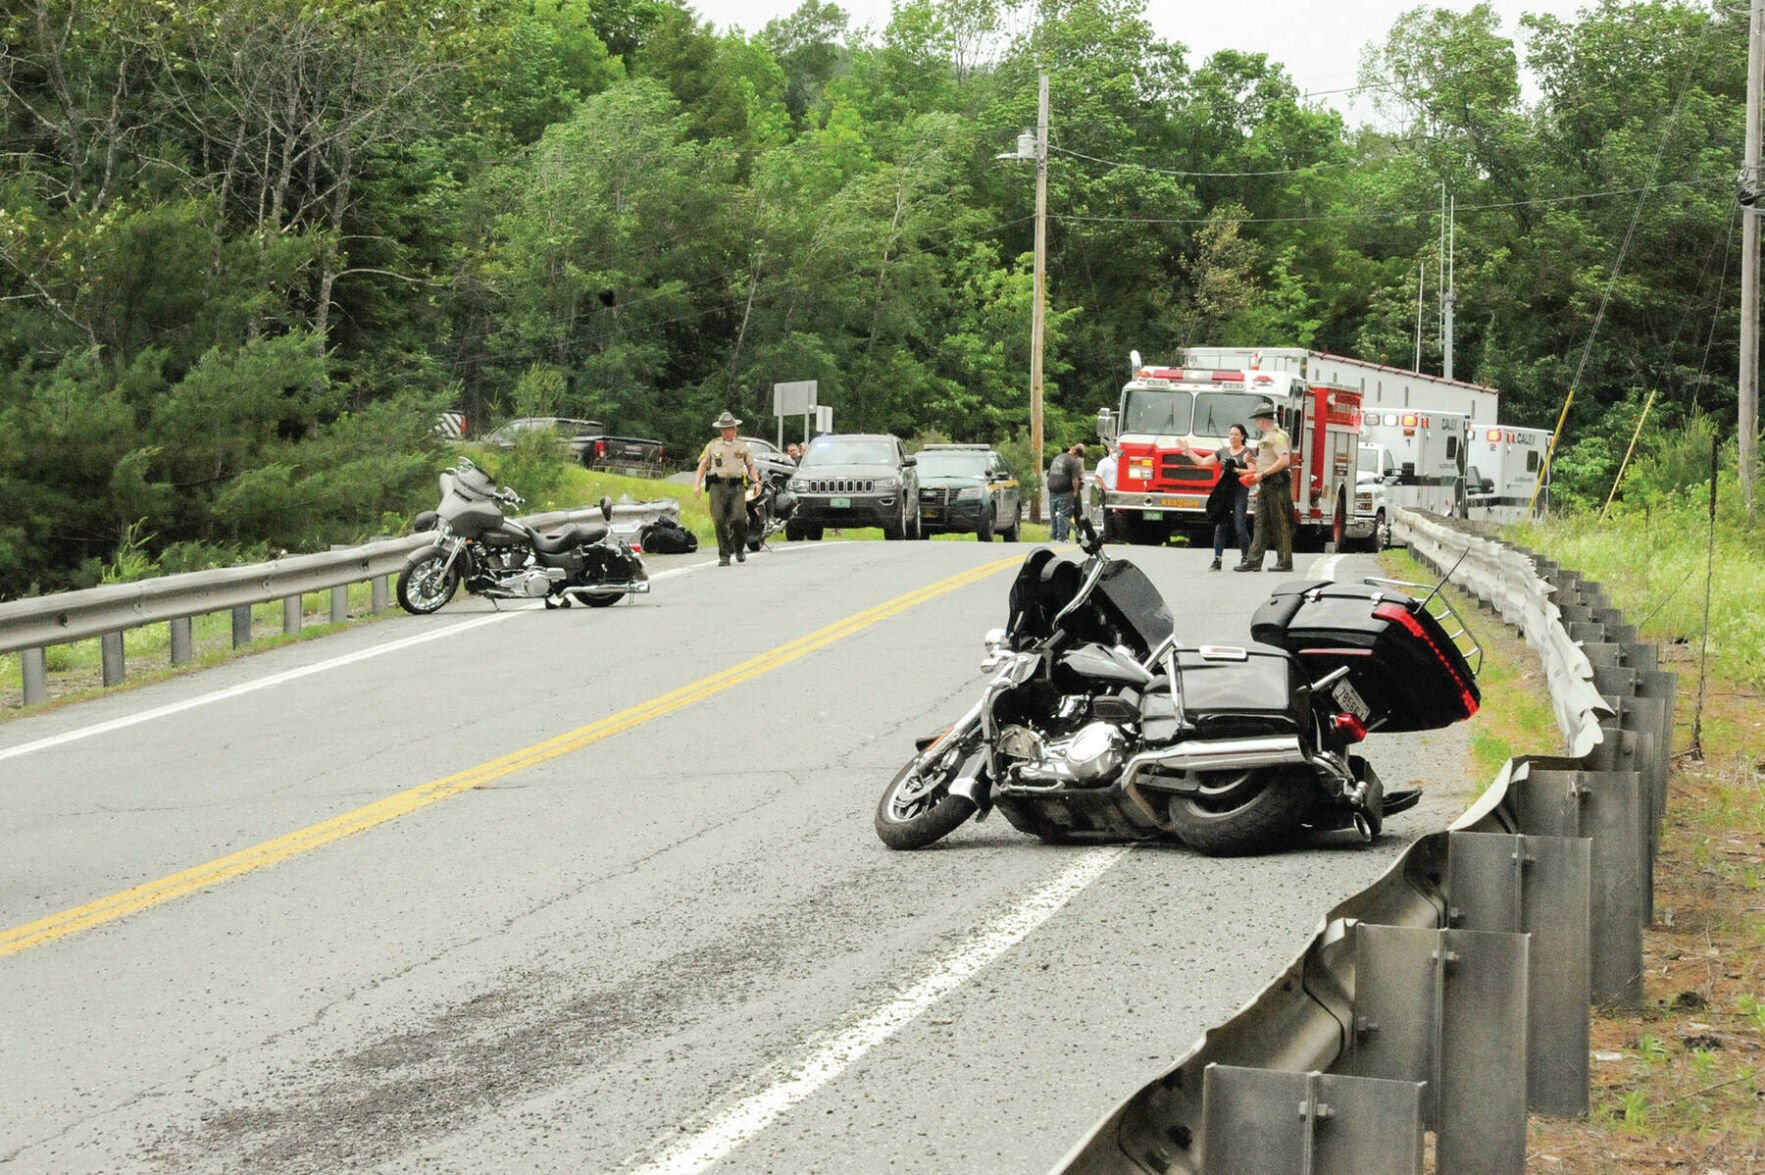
1273	482
722	466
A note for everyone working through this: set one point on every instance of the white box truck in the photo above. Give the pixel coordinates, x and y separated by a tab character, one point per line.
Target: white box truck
1507	474
1412	460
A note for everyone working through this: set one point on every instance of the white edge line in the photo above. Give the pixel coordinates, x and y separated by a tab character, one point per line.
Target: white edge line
275	679
753	1114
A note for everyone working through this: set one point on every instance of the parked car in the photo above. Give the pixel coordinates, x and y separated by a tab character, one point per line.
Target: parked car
968	489
576	434
772	464
852	480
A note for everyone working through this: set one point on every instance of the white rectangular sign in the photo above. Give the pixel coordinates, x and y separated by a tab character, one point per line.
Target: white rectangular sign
824	418
793	399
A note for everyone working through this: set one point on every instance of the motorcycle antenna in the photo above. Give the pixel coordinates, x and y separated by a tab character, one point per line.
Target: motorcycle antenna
1435	590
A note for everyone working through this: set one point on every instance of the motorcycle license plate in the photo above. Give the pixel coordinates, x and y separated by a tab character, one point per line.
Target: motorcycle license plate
1350	700
840	503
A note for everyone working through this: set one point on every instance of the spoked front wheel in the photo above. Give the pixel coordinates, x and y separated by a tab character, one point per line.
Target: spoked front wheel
917	808
423	586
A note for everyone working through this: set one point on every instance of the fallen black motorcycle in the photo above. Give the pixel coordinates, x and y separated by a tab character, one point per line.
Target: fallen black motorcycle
494	556
769	507
1099	724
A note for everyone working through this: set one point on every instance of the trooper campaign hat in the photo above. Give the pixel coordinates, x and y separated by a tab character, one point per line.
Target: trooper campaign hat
1263	409
727	420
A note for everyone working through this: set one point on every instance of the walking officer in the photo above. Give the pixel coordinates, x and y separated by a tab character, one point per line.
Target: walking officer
722	466
1273	479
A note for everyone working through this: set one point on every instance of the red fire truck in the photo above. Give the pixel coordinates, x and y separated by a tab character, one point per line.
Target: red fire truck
1159	491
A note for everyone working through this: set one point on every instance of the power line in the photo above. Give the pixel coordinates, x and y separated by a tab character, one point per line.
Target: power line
1202	174
1372	216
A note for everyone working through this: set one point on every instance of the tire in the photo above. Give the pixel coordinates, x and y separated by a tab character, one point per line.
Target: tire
812	533
421	587
1381	539
1339	526
756	544
1011	533
898	531
603	599
916	821
1240	813
984	532
793	532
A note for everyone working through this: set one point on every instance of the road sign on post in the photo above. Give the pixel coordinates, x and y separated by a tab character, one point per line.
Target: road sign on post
823	418
796	398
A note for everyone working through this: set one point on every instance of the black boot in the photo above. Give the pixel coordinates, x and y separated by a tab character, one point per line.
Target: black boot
1215	565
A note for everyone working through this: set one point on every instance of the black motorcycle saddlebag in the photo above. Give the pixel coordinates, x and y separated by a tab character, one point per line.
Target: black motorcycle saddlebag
1400	662
1229	692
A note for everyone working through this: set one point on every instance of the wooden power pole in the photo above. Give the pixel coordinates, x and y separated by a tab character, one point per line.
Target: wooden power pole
1036	314
1748	426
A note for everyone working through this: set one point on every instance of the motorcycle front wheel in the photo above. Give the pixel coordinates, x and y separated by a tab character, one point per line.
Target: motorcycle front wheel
422	588
916	810
1236	813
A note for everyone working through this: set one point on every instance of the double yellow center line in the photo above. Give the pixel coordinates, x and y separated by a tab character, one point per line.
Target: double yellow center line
176	885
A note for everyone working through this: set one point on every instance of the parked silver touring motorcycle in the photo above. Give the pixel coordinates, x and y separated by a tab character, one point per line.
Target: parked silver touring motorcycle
1098	723
494	556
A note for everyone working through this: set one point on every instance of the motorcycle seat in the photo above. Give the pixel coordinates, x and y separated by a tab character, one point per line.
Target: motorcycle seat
574	535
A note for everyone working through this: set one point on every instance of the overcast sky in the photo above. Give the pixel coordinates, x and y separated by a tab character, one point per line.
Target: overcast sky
1319	41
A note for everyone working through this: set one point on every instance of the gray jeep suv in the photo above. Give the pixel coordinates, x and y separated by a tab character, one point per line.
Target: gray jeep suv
852	480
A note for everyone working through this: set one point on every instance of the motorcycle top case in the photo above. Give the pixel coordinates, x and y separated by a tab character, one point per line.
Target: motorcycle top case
1400	662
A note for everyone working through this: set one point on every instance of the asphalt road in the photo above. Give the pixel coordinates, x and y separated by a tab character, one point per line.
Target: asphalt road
597	890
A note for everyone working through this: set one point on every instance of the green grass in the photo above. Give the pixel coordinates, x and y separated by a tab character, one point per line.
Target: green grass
1654	567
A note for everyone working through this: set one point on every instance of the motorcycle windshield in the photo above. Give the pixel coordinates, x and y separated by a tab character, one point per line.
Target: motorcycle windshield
1133	604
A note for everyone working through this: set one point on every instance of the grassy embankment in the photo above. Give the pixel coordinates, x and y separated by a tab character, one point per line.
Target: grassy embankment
1677	1084
546	483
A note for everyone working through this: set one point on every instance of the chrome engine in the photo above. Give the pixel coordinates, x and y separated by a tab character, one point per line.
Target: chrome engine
535	581
1091	755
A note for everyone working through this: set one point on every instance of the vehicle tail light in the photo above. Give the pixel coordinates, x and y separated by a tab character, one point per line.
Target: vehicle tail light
1351	728
600	448
1399	614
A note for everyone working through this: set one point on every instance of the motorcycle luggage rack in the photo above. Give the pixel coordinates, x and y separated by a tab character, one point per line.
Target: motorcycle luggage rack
1435	604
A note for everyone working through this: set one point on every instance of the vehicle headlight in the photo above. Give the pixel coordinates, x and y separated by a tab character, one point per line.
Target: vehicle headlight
970	493
887	483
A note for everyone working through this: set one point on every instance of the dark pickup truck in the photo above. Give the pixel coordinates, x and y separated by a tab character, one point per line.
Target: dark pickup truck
606	452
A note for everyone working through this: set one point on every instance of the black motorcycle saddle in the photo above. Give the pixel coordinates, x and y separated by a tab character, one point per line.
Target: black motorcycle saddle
574	535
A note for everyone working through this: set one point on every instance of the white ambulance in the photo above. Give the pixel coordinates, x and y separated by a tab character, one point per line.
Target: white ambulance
1507	473
1410	460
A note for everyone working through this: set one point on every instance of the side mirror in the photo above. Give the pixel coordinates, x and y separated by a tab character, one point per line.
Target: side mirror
909	460
1106	425
606	508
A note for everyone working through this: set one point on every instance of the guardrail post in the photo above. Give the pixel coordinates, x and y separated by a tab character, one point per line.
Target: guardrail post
110	655
1540	886
1448	1007
291	609
183	643
1606	807
382	593
33	672
340	603
241	626
1261	1120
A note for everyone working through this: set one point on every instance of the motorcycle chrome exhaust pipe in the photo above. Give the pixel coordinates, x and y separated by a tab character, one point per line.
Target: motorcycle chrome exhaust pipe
1226	754
636	587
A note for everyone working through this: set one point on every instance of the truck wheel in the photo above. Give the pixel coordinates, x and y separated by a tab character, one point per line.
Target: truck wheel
984	532
1339	527
1011	532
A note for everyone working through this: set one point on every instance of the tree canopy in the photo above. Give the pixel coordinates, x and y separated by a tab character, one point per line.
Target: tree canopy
248	248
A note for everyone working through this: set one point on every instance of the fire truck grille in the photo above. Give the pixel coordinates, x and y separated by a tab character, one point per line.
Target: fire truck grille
841	485
1176	468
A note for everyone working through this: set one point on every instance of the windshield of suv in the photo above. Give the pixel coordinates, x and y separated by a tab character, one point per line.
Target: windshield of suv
946	463
848	451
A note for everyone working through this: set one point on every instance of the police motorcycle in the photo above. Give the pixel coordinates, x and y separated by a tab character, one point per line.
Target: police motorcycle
494	556
1098	723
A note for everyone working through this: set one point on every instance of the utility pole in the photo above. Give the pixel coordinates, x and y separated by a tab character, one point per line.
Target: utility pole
1421	288
1748	426
1446	291
1036	315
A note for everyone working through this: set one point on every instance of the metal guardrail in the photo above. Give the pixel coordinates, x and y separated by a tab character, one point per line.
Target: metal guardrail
1454	993
29	626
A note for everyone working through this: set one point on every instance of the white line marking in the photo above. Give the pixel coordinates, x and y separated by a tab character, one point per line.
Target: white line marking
1325	568
751	1115
290	675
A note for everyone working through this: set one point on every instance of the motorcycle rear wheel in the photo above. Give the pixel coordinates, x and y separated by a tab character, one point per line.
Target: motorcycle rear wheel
422	588
1238	813
915	811
602	599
